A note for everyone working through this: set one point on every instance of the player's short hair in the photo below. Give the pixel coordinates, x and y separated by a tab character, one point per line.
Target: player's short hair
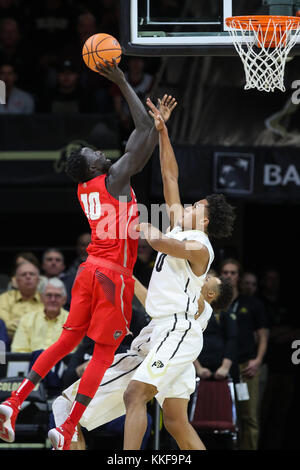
76	166
221	216
225	295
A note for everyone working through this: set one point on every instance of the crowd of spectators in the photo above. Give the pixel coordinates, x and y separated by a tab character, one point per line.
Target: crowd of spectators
249	343
41	61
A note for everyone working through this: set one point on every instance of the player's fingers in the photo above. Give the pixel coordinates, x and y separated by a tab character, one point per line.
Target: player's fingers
173	106
151	105
108	64
164	99
100	67
151	114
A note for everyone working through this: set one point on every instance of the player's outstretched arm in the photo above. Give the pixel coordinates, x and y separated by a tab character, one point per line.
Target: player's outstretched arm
193	251
142	140
139	115
168	163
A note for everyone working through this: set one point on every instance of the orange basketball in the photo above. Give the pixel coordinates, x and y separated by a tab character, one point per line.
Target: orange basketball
100	47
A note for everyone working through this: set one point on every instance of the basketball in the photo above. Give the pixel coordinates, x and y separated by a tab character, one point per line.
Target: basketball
100	47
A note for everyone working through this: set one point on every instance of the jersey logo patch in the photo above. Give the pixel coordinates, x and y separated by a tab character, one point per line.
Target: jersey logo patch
117	334
158	364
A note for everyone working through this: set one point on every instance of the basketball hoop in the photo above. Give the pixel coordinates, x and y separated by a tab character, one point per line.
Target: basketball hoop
263	43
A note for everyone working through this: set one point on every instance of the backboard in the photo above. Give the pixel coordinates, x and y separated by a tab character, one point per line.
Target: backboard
189	27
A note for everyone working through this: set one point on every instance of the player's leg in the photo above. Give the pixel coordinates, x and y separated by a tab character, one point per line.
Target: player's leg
73	332
136	398
101	359
176	422
107	328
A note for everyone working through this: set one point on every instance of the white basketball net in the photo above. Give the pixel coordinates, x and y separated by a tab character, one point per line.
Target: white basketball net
264	64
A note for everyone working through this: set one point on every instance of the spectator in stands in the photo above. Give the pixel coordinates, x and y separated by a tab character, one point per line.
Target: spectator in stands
249	283
145	262
219	351
19	259
283	320
51	23
15	49
53	263
141	82
70	275
17	101
68	97
98	86
4	337
249	287
41	327
17	302
109	16
85	26
252	345
8	9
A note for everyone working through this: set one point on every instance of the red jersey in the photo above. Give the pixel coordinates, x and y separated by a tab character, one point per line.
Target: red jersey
112	222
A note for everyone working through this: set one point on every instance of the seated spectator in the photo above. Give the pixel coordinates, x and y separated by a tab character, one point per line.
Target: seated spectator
53	263
68	96
17	101
4	337
109	16
17	302
97	85
141	82
249	283
20	258
8	9
15	49
40	328
50	23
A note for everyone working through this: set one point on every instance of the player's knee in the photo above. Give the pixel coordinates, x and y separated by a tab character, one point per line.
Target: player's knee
171	425
137	393
174	424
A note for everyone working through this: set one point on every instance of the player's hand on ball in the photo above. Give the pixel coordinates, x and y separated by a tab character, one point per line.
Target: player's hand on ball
111	71
155	114
166	106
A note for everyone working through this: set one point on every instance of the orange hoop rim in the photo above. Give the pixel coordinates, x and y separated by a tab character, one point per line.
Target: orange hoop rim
264	21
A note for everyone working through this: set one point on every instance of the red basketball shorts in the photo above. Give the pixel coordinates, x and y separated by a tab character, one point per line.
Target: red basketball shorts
101	301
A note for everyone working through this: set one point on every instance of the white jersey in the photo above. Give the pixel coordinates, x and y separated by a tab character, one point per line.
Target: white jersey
178	342
173	287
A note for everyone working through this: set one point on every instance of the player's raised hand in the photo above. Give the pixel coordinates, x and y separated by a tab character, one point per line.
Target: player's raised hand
155	114
166	105
111	71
